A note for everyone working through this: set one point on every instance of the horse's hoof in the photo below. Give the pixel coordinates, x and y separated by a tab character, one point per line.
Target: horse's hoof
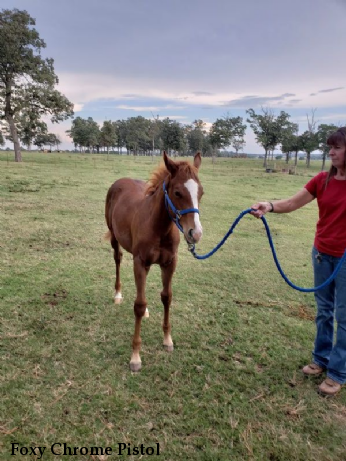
135	366
146	313
168	348
118	299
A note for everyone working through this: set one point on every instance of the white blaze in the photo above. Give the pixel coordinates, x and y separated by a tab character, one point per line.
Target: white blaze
192	186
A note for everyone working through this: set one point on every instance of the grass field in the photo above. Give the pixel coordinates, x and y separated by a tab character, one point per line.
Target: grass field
231	390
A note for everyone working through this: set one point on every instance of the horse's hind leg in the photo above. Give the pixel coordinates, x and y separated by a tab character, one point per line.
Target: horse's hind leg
166	298
118	256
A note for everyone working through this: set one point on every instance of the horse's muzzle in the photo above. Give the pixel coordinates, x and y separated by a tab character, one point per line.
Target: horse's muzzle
194	236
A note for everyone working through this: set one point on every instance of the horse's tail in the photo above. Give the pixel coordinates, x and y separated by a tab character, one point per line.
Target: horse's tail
108	215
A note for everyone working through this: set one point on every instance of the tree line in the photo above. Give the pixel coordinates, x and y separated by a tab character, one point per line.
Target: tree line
272	131
142	136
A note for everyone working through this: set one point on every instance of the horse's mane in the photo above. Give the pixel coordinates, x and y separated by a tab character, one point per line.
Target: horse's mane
161	173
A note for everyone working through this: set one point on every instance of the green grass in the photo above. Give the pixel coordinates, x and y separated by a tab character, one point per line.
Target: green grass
231	390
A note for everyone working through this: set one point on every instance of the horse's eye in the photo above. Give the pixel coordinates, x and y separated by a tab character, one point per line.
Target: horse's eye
177	194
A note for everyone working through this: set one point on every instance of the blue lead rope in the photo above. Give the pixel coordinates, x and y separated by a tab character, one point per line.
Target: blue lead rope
242	214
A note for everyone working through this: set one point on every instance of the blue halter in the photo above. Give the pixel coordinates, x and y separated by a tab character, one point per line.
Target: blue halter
178	213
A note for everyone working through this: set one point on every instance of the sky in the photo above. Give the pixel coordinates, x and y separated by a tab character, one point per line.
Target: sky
195	59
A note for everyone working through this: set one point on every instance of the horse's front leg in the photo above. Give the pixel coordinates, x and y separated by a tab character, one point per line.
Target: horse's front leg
140	305
166	298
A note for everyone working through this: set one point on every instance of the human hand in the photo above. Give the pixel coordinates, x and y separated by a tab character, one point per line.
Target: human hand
260	209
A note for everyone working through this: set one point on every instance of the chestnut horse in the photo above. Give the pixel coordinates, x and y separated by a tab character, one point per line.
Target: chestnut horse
139	221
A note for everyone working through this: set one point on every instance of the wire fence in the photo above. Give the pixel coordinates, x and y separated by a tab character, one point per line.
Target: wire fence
115	160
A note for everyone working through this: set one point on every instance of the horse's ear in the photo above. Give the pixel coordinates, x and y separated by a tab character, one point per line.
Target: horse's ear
171	166
197	160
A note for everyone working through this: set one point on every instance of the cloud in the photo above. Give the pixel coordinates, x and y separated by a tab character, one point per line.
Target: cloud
174	117
132	96
331	89
201	93
60	130
247	101
148	108
78	107
104	89
336	118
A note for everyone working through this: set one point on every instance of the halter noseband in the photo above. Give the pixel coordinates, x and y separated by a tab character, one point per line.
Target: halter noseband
178	213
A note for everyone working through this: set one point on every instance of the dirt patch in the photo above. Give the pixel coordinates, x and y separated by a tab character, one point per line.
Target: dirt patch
301	311
53	299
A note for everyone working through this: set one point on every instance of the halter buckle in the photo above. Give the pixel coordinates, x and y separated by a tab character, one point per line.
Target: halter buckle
191	247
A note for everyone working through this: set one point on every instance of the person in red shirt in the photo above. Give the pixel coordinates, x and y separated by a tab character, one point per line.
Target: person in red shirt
329	188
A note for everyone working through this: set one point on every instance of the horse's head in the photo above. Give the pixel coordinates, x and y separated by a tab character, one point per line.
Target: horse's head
185	191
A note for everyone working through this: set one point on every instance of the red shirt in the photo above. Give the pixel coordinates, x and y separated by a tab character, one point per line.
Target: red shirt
330	235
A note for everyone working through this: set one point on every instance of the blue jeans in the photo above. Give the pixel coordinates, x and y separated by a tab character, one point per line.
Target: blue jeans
331	302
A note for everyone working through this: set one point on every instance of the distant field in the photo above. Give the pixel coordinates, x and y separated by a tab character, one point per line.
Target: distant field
231	390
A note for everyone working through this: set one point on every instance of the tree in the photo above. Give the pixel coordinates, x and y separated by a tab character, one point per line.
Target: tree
296	146
268	128
154	132
120	129
226	130
29	126
309	138
289	139
46	139
323	132
138	134
208	150
309	143
172	135
238	141
85	133
78	132
2	140
93	135
57	141
26	79
53	140
108	136
196	136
